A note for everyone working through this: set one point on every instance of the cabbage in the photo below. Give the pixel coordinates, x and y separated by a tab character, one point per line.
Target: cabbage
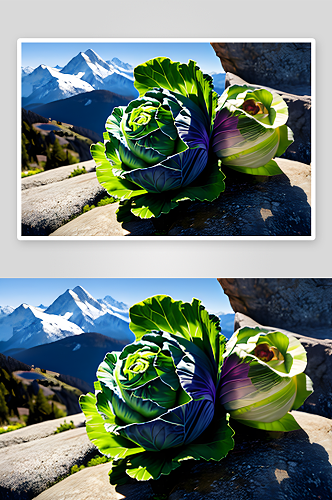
262	379
156	149
169	396
154	403
250	130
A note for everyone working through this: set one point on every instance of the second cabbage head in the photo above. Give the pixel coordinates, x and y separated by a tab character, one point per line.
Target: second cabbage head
262	379
250	130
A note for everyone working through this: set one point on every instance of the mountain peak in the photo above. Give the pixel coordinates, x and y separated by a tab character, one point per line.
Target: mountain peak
121	64
91	53
82	293
95	59
79	288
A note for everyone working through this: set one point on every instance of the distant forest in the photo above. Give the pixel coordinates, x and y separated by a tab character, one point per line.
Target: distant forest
55	148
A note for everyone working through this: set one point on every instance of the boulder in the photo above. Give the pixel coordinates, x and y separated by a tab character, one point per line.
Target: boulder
299	121
55	175
285	66
28	468
319	367
49	206
300	305
38	431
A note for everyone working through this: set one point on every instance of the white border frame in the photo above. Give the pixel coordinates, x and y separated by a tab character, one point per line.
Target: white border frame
312	41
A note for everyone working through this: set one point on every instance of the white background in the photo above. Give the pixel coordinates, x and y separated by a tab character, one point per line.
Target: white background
177	19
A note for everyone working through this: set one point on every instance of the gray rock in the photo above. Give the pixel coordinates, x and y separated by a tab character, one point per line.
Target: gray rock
55	174
299	121
38	431
92	483
300	305
101	221
294	466
28	468
278	205
319	367
252	206
47	207
285	66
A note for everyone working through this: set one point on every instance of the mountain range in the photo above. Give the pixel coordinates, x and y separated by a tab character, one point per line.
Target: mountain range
85	72
72	335
85	91
74	312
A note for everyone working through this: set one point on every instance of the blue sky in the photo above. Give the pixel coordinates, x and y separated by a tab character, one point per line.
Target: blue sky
34	291
51	53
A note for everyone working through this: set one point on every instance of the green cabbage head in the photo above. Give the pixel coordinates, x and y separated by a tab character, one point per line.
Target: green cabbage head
154	402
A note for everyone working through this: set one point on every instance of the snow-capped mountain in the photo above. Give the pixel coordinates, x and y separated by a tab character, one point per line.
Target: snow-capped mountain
121	65
47	84
44	329
5	310
19	318
85	72
77	305
42	307
26	70
116	306
102	75
72	313
81	308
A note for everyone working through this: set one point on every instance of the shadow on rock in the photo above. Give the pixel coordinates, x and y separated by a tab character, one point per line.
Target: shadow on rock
261	466
251	206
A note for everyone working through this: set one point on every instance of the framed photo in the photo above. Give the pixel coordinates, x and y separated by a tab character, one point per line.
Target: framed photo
166	139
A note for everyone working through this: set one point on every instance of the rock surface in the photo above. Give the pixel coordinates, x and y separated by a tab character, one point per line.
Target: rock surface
252	206
274	206
47	207
285	66
92	483
299	121
301	305
55	175
296	466
319	367
28	468
38	431
273	466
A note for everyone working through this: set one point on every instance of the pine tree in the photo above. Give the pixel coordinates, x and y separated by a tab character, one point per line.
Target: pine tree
39	410
57	156
25	156
4	412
